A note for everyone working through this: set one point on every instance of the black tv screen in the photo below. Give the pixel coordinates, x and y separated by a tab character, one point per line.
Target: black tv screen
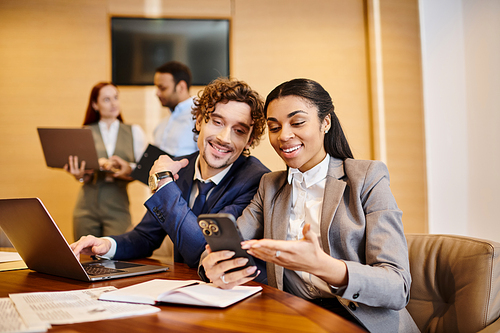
140	45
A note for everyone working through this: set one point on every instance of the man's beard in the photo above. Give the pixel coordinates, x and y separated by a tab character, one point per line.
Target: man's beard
225	161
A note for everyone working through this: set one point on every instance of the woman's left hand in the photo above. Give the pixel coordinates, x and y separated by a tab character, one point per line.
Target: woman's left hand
303	255
104	164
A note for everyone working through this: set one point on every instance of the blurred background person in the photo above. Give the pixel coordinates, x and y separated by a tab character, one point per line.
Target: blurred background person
102	207
174	134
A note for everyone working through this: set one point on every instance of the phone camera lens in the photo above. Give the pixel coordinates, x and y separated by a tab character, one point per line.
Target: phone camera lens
214	228
207	232
203	224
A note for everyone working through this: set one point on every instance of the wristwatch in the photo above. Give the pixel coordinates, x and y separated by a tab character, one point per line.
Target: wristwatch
154	179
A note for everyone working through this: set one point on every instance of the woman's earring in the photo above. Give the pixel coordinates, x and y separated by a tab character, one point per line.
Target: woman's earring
326	131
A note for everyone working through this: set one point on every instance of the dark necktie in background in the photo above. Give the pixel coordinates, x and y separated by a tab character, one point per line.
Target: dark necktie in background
203	189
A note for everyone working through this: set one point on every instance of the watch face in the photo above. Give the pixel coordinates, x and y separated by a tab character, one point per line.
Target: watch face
152	182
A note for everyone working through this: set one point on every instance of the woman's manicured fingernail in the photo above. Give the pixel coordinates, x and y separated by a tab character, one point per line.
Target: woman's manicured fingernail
250	270
241	261
229	254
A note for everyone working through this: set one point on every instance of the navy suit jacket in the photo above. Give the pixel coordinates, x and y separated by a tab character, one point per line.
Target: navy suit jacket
169	213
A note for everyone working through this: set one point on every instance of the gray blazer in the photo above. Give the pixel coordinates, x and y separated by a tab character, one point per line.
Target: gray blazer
361	225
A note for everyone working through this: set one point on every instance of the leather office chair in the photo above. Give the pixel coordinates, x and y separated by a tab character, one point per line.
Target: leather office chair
455	283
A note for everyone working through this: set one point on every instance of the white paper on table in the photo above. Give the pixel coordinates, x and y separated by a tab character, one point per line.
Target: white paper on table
76	306
11	321
9	256
149	292
191	292
210	295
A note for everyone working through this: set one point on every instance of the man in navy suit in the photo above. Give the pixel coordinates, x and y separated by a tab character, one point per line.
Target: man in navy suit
229	120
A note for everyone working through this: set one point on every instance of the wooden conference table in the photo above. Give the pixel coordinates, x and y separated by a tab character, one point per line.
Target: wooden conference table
269	311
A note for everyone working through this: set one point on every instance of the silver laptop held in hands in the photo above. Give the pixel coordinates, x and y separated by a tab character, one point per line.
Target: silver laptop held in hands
40	243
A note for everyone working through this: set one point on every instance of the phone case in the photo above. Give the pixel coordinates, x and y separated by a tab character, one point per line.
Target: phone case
222	233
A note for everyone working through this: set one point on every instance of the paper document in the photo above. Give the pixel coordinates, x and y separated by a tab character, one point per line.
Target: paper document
11	321
190	292
68	307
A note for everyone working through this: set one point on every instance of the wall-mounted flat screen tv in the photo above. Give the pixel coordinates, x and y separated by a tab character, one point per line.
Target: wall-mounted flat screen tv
140	45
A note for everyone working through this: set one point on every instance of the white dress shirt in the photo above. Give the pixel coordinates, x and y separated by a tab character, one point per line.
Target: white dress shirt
197	176
109	136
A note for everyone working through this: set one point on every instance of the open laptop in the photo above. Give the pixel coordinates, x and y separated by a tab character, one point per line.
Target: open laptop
40	243
141	171
59	143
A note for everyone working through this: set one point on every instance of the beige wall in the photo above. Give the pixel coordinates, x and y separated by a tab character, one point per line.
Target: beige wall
462	79
53	51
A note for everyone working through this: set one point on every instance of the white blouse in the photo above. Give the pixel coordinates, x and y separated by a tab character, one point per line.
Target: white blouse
110	135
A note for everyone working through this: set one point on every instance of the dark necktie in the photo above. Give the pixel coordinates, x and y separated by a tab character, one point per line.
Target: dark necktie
203	189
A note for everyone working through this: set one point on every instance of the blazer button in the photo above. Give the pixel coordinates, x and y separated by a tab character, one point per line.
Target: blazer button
352	306
355	296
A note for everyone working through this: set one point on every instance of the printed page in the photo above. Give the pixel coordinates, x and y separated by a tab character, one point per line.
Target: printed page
68	307
11	321
148	292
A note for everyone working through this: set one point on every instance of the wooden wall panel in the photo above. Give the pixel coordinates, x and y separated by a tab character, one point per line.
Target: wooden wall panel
275	41
53	51
404	111
170	8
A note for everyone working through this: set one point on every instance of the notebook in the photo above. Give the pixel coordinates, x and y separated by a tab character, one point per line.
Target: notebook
141	171
40	243
59	143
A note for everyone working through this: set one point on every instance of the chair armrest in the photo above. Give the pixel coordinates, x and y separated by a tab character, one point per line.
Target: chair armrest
494	327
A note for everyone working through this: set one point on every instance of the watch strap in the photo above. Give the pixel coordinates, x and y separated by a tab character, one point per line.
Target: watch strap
164	174
155	179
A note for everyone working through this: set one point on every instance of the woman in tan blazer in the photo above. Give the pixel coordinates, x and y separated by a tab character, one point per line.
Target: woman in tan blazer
328	227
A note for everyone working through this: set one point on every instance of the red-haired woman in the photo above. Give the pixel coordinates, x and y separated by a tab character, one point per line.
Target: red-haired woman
102	207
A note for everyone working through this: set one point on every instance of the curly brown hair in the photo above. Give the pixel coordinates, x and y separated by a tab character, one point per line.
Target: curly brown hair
223	90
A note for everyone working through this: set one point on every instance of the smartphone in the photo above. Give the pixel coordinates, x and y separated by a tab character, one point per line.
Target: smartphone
222	233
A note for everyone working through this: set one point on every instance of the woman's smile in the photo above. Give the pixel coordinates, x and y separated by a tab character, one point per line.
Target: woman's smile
295	132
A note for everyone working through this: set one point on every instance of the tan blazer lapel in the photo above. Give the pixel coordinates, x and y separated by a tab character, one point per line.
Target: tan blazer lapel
279	228
334	191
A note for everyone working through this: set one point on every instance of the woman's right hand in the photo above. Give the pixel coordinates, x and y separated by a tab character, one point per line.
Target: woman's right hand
217	263
78	172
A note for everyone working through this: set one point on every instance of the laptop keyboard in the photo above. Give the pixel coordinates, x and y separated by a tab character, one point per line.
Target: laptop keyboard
96	269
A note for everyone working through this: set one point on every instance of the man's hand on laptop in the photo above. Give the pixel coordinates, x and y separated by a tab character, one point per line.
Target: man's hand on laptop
91	245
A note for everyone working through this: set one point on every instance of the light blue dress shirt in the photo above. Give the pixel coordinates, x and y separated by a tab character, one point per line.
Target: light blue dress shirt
174	134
